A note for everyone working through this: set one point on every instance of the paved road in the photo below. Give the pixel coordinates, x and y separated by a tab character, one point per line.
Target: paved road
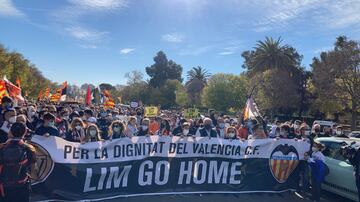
257	197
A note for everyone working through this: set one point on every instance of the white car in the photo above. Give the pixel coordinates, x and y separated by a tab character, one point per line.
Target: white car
354	134
341	179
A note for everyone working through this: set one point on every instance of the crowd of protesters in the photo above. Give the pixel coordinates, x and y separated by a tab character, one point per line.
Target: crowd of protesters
77	123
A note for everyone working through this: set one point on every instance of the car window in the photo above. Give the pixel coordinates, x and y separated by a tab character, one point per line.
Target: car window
333	150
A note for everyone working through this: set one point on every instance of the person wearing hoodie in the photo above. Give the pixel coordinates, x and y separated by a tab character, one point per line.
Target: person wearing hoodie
318	170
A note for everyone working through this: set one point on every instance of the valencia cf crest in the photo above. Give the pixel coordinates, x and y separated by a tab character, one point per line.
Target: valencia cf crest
43	166
283	161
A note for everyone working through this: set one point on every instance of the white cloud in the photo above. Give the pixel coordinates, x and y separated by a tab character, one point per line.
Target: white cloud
100	4
88	46
86	34
7	8
173	37
226	53
277	14
126	50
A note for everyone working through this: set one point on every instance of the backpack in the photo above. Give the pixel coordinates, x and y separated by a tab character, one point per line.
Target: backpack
14	164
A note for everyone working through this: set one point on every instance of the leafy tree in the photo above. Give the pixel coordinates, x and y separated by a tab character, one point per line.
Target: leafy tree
225	91
337	76
166	94
13	65
162	70
136	89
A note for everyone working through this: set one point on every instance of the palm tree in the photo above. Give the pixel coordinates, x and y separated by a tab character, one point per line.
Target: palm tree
270	54
197	78
198	73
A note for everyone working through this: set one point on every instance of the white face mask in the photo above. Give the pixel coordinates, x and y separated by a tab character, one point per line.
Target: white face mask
144	127
12	119
78	127
116	129
231	135
185	132
307	133
338	132
314	149
92	133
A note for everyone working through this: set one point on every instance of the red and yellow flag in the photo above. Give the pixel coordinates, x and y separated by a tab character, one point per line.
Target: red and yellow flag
60	94
108	100
3	91
47	92
17	82
40	96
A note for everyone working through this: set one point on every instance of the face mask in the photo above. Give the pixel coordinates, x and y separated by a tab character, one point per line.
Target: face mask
12	119
207	126
103	115
282	133
139	113
144	127
227	125
249	124
77	127
185	132
317	130
51	124
66	117
92	133
307	133
222	125
231	135
116	129
338	132
31	113
314	149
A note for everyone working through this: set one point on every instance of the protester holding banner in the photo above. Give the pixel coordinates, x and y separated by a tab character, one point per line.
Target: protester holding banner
92	134
48	127
144	127
208	130
132	128
116	130
164	127
231	133
77	131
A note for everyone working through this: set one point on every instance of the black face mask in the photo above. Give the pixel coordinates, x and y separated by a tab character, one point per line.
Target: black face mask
138	113
317	130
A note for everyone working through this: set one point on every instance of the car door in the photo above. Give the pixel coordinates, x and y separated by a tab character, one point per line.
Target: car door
340	178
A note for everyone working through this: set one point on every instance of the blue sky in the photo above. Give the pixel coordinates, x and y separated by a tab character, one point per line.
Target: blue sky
94	41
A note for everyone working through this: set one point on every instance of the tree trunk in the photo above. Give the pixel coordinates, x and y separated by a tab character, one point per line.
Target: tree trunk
353	116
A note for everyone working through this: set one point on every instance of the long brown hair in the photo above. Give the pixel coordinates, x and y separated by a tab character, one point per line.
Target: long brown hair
75	121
